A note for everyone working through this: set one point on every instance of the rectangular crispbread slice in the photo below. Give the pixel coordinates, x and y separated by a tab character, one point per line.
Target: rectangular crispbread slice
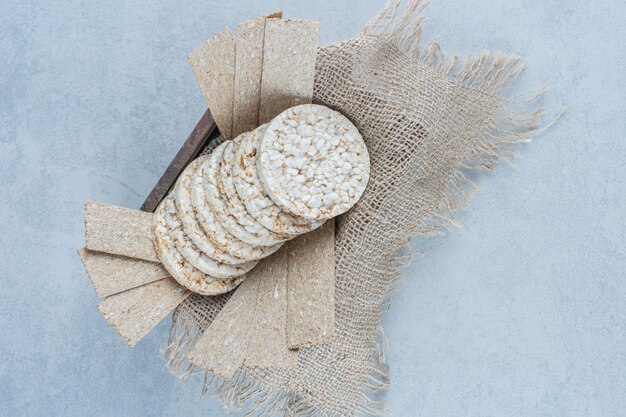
213	66
112	274
268	339
311	287
248	67
223	346
119	231
289	54
134	313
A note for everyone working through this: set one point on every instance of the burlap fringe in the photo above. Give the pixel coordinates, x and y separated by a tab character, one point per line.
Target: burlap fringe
243	391
490	73
184	334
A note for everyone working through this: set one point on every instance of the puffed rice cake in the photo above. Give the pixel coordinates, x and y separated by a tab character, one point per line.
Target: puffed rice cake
188	217
313	162
185	274
253	195
195	257
210	177
205	197
253	232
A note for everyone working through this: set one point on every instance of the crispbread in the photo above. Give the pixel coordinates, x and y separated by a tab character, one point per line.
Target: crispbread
213	66
119	231
194	256
247	229
206	200
189	220
290	49
113	274
186	275
311	287
213	187
269	331
313	162
135	312
253	196
222	348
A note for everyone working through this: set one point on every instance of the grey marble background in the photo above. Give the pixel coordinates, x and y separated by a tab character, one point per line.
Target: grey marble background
519	313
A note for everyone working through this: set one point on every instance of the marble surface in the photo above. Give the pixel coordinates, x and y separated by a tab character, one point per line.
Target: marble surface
520	312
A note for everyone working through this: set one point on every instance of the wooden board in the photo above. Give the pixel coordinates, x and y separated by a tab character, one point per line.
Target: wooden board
203	133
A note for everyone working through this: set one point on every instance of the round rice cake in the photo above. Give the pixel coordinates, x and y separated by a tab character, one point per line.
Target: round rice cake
194	256
189	220
183	272
213	183
252	193
208	205
248	229
313	162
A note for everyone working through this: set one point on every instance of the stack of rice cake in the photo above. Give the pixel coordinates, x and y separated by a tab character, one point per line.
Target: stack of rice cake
240	204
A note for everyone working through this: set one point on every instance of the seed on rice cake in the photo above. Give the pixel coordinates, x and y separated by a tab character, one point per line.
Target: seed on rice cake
313	162
247	229
187	215
185	274
253	196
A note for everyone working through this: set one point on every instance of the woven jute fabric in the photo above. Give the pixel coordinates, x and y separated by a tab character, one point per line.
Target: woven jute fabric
427	119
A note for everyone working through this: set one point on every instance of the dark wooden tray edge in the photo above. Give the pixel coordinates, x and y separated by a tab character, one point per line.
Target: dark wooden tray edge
205	131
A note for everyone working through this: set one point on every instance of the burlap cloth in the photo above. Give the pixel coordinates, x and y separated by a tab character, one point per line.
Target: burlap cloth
426	120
